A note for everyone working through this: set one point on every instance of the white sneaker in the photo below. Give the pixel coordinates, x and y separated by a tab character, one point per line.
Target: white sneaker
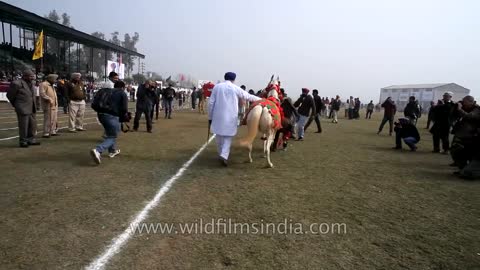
95	156
112	155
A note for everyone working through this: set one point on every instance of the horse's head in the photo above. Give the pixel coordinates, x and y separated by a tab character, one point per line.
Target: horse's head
273	87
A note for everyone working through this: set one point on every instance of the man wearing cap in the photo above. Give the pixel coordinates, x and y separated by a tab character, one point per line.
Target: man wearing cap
223	113
22	97
76	95
306	108
49	103
442	122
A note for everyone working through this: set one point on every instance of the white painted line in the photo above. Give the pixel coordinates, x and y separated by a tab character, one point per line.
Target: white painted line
117	243
13	114
12	128
14	137
59	116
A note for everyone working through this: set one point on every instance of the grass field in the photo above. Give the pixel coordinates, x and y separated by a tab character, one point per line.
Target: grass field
402	210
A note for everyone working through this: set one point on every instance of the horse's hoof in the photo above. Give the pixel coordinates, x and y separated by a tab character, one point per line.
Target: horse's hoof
270	165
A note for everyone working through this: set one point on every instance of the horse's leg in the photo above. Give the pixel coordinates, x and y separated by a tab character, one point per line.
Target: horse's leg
265	144
250	159
269	143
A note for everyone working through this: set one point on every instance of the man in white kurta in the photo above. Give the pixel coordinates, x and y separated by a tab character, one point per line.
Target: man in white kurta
223	113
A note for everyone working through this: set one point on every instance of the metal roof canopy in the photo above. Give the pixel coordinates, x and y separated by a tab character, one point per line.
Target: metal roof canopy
417	86
28	20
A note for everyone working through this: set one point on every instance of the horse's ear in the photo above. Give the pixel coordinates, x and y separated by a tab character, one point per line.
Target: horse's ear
278	78
271	79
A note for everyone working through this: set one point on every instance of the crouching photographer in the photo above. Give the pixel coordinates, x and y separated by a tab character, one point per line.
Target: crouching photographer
112	108
406	130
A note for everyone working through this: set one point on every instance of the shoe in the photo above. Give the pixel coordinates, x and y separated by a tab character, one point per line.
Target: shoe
72	130
169	117
390	134
112	155
81	129
33	143
54	134
149	131
223	161
436	151
378	133
95	156
46	136
135	130
397	148
300	139
24	145
414	149
318	131
445	152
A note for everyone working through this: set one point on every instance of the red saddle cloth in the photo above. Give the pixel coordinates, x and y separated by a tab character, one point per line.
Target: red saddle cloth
274	109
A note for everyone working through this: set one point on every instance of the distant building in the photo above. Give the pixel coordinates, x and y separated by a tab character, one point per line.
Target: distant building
425	93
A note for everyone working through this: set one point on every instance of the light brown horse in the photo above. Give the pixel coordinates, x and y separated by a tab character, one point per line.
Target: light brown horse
260	119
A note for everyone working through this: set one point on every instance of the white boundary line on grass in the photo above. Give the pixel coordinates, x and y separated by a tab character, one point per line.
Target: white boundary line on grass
63	121
117	243
14	137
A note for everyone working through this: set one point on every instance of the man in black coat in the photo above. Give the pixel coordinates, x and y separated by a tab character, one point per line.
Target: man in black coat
465	144
319	107
412	110
442	122
390	109
168	95
145	101
306	108
407	131
22	97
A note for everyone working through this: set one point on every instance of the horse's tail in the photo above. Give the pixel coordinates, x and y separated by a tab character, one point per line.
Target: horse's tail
253	121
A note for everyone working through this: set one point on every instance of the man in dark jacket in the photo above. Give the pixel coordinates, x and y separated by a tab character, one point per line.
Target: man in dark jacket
110	120
194	98
465	144
370	108
388	115
156	104
356	109
430	113
22	97
168	95
405	130
306	107
319	106
442	122
145	101
412	110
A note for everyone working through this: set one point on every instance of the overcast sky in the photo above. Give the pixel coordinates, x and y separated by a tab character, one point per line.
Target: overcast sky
339	47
